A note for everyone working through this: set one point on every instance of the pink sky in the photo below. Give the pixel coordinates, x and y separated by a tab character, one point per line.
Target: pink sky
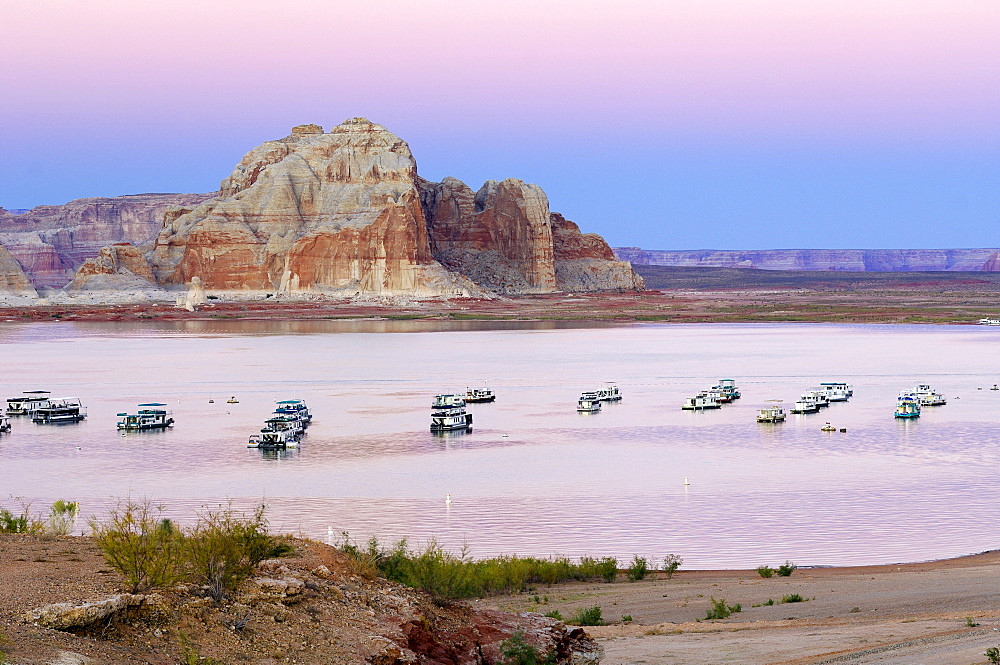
885	73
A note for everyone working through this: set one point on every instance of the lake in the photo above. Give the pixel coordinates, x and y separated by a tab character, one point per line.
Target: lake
534	477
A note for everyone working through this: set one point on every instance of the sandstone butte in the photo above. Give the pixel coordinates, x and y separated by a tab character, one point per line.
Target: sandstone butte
340	212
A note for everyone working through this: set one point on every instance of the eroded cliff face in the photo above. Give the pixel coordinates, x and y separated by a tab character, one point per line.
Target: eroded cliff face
499	237
52	242
117	267
504	238
13	280
584	261
328	212
993	263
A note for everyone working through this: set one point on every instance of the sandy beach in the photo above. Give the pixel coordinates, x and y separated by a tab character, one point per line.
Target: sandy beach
906	613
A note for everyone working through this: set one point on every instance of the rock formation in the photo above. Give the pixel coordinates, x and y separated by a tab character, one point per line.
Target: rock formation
504	238
117	267
334	212
12	278
585	262
993	263
51	242
853	260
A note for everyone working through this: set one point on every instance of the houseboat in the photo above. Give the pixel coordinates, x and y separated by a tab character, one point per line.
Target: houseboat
150	416
989	322
700	402
840	386
907	406
60	410
609	393
772	413
451	419
720	396
927	396
27	403
273	439
728	386
296	408
588	403
805	404
448	402
821	396
479	395
4	424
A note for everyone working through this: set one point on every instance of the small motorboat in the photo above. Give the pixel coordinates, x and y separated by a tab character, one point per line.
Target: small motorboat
828	428
4	424
232	400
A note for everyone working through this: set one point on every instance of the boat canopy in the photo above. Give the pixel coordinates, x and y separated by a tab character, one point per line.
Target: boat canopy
289	401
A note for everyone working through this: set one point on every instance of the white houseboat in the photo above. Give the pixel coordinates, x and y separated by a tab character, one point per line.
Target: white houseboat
907	406
772	413
700	402
609	393
296	408
27	403
927	396
479	395
840	386
728	386
60	410
448	402
821	396
805	404
150	416
588	403
449	420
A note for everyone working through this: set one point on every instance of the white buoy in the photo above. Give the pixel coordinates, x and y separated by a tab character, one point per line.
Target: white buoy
329	531
447	499
686	481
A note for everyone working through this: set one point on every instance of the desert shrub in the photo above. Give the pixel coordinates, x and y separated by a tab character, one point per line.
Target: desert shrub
515	650
671	563
62	517
138	544
554	614
765	571
637	569
605	568
224	547
626	618
766	603
970	622
993	655
719	609
21	522
587	616
792	598
785	569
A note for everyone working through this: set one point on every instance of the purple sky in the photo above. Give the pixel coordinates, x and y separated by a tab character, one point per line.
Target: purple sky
665	124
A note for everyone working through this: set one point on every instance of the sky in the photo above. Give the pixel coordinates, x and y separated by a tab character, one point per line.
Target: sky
664	124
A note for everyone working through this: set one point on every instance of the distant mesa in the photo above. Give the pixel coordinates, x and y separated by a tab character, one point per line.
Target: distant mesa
340	212
849	260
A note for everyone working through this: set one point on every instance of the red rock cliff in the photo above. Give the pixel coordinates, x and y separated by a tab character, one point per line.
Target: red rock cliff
314	211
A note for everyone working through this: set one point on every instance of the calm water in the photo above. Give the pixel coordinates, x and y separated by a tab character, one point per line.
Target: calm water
534	477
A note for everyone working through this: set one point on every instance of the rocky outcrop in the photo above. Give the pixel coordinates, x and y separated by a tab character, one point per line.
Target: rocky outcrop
585	262
500	237
52	242
333	212
851	260
504	238
12	278
70	616
117	267
992	264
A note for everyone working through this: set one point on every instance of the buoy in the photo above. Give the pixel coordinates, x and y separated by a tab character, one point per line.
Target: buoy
447	499
686	481
79	448
329	531
843	429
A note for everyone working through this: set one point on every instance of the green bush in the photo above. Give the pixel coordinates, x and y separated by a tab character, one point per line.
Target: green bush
766	603
21	522
993	655
554	614
765	571
792	598
515	650
671	563
785	569
224	547
138	544
62	517
719	609
588	616
605	568
638	569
